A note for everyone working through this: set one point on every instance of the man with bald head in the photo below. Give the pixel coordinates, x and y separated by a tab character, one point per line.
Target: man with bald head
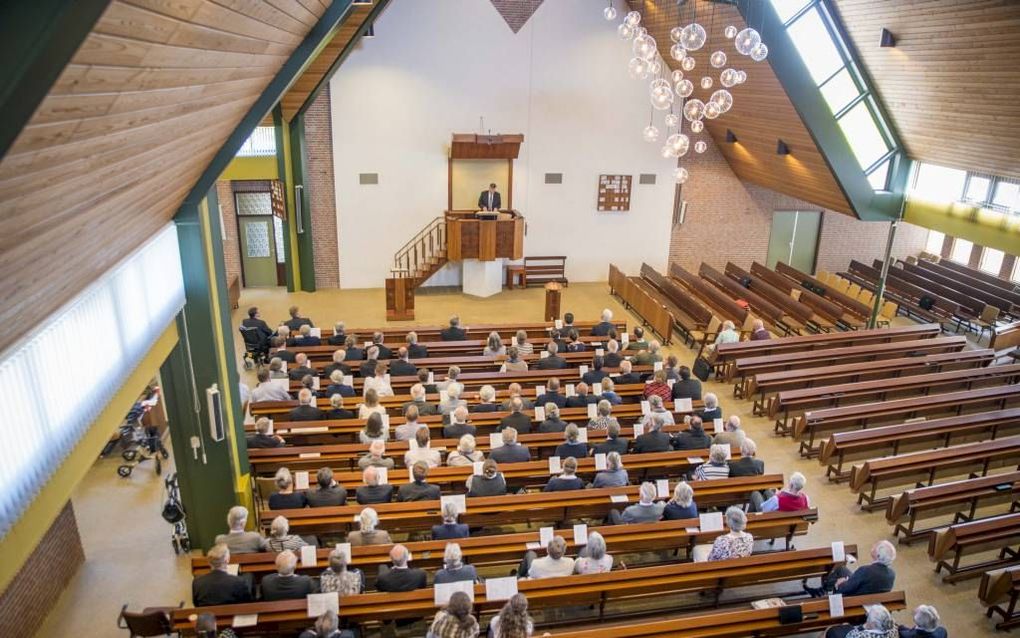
517	419
306	409
400	576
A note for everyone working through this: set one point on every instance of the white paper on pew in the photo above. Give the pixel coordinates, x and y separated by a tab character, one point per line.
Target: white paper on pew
349	380
318	604
599	352
301	480
532	546
308	556
432	378
457	499
385	420
580	534
717	424
308	455
670	383
545	535
692	530
311	430
625	338
836	605
555	467
596	344
582	370
500	588
729	452
582	433
600	462
387	378
283	366
233	568
695	460
383	474
412	444
571	390
476	468
315	332
315	382
711	522
683	405
539	390
513	341
558	324
245	620
596	388
646	407
270	431
539	413
592	410
619	498
345	549
656	366
367	345
662	488
443	396
283	383
639	429
543	354
838	552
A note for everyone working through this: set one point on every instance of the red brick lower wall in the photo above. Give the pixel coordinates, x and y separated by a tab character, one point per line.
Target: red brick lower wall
27	600
231	252
322	192
730	220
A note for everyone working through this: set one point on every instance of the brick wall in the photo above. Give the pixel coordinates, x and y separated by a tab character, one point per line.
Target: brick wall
730	220
516	12
27	600
231	253
322	192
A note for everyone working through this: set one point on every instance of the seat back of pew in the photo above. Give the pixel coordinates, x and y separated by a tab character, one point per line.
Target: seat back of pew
848	303
825	308
800	311
710	295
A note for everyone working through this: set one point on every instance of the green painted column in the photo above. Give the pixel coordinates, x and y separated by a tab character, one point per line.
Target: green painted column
298	151
289	256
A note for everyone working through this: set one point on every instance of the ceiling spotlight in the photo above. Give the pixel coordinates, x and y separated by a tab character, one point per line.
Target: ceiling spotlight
888	39
782	148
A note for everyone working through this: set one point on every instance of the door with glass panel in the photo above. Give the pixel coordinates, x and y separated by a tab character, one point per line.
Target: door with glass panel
794	239
259	235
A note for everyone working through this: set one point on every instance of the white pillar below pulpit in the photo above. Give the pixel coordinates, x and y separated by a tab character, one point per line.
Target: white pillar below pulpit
482	278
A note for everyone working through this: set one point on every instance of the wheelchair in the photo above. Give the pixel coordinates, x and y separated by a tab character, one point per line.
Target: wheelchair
256	350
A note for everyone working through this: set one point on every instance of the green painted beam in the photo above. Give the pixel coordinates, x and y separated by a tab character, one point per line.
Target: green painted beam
302	201
281	169
37	40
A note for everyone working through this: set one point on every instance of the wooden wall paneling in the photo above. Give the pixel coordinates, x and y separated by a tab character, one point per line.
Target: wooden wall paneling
487	241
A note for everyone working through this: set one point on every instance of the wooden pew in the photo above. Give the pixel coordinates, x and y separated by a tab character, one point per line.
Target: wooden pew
762	388
795	402
689	314
801	312
868	477
998	586
950	545
829	311
959	498
398	334
889	440
490	511
906	304
591	589
848	303
540	270
764	309
814	426
719	302
906	293
975	273
676	537
324	355
969	307
1005	340
998	288
436	349
955	281
634	297
740	623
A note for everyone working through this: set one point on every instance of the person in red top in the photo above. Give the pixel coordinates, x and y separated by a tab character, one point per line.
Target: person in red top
791	499
658	387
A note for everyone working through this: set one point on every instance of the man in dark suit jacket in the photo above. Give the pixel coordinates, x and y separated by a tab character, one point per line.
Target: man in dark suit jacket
377	341
339	336
285	584
370	363
694	438
458	425
747	465
372	492
329	494
305	337
454	332
516	419
306	410
281	352
582	397
300	367
419	489
400	577
926	624
613	442
511	451
596	374
401	367
489	199
552	394
604	327
296	321
654	440
450	531
876	578
414	349
553	361
338	364
256	331
686	387
626	374
639	342
218	587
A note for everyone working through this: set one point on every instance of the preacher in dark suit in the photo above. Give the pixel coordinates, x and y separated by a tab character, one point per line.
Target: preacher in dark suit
285	584
218	587
489	199
400	577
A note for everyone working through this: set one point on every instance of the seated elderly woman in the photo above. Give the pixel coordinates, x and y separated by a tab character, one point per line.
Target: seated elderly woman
489	483
486	400
340	578
371	405
646	510
615	475
368	534
735	544
378	382
285	498
603	416
523	346
465	454
716	468
280	537
572	445
454	569
336	408
682	505
552	422
593	558
727	334
421	451
376	456
658	387
790	499
568	480
657	408
450	529
276	370
926	624
609	392
374	430
494	345
879	624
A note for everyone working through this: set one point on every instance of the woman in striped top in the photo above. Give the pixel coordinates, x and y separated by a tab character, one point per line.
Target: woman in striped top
717	467
280	538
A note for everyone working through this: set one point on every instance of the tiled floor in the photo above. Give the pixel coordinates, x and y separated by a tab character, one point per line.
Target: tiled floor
137	566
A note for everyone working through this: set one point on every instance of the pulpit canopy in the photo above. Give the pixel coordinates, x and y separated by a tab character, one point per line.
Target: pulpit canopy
474	146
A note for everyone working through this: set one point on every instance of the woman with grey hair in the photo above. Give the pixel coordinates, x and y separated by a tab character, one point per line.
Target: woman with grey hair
735	544
465	454
791	499
878	624
524	346
594	560
728	334
927	624
604	416
494	346
368	521
572	445
614	475
280	538
717	467
339	578
682	505
454	569
285	498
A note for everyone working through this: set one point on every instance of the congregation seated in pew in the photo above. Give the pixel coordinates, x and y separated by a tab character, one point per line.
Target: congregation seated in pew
306	409
511	451
281	539
263	437
421	451
419	489
450	529
285	497
373	491
219	587
489	483
458	425
418	401
657	410
567	479
552	423
329	493
399	576
613	442
454	568
465	454
376	456
368	532
615	475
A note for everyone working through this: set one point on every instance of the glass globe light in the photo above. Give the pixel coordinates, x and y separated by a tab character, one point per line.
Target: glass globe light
679	143
677	52
697	126
658	83
650	133
711	110
638	68
680	175
730	32
662	99
655	66
722	99
667	151
609	12
759	52
684	88
741	77
746	40
644	46
625	31
706	83
632	19
640	31
693	36
677	75
729	78
671	120
674	34
694	110
700	146
717	59
687	64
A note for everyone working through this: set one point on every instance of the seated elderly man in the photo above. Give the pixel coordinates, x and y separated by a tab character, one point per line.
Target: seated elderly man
450	529
421	451
305	337
296	320
650	356
373	490
301	367
486	400
329	493
377	341
638	343
693	438
605	326
686	387
339	334
415	349
553	422
603	417
370	364
453	400
878	624
368	530
458	425
627	374
237	539
285	584
515	390
306	409
402	366
595	374
654	439
555	563
419	489
646	510
759	333
572	445
266	390
354	352
264	437
552	361
219	587
716	467
876	578
454	570
517	419
712	411
615	475
452	373
581	398
399	576
454	332
465	454
406	430
656	407
747	464
339	356
418	401
926	624
552	394
612	358
732	434
613	443
376	456
511	451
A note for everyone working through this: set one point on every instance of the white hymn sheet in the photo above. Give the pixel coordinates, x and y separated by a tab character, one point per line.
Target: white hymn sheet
308	556
646	407
384	475
495	440
543	354
662	488
443	591
500	588
367	345
600	462
618	498
580	534
345	549
457	499
695	460
233	569
270	431
555	467
308	455
596	388
711	522
639	429
670	383
315	382
582	433
301	480
599	352
432	378
539	413
625	338
582	370
312	430
558	324
571	391
245	620
545	534
592	410
315	332
539	390
476	468
318	604
838	552
718	425
836	605
683	405
657	366
349	380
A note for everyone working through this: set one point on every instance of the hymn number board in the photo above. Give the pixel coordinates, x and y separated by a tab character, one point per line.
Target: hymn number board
614	192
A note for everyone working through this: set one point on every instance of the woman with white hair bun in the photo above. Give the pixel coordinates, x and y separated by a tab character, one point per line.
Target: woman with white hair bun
878	624
280	537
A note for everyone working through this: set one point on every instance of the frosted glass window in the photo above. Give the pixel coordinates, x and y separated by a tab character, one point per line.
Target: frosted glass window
788	8
815	45
839	91
254	203
939	184
934	243
961	251
977	189
1016	271
1006	195
991	260
862	133
278	235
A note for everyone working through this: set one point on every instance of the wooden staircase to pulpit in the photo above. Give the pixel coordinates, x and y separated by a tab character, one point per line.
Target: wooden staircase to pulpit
413	264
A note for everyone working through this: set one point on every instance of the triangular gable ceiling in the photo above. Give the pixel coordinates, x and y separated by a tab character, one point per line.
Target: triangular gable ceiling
516	12
761	115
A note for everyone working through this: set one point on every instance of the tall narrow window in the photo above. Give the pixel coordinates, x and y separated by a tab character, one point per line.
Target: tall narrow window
934	243
961	251
991	260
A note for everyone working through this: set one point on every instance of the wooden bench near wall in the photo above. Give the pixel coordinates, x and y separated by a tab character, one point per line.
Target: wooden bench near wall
540	270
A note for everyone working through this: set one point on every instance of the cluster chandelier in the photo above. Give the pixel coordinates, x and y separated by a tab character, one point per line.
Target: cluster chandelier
673	92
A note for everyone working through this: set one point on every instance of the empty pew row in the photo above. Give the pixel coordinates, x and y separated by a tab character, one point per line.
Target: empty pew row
719	302
997	287
639	301
827	310
907	295
695	321
773	316
999	586
888	308
999	282
849	304
798	310
970	307
977	292
1005	340
949	546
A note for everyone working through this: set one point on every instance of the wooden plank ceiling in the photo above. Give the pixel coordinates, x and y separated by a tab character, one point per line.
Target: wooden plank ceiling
761	114
148	99
952	80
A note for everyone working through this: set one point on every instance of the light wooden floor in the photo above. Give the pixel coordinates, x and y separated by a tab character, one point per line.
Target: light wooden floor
147	574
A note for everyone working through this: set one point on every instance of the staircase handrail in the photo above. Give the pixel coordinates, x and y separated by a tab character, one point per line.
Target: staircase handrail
435	236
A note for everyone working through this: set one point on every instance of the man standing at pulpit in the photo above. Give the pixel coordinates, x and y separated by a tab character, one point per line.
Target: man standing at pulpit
489	199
